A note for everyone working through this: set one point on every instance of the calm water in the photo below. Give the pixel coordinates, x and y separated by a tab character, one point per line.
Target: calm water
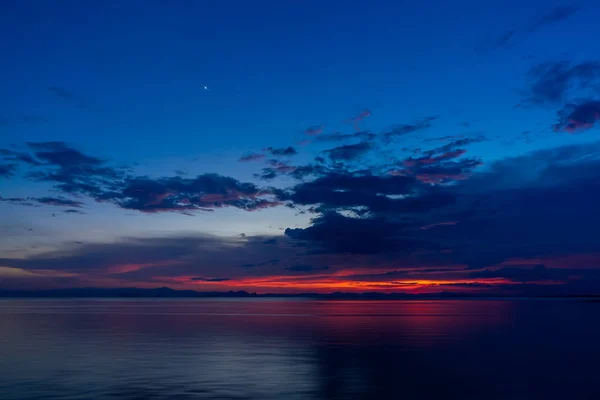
288	349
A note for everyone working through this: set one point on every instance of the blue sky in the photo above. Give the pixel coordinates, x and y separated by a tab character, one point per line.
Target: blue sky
124	83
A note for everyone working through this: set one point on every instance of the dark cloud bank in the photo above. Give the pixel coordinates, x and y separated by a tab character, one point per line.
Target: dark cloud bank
439	207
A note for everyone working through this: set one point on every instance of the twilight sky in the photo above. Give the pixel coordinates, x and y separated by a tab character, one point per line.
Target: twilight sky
309	146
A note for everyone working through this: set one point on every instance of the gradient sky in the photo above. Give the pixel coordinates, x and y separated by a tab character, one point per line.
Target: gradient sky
340	146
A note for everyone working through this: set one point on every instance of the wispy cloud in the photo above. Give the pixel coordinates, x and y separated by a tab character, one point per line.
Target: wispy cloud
512	36
251	157
575	118
314	130
556	82
358	118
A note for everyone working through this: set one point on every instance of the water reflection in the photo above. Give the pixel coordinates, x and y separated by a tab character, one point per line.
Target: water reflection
283	349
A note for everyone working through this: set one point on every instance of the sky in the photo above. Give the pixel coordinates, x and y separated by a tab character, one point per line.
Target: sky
313	146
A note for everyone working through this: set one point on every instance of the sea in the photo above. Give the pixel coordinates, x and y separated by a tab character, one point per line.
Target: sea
117	349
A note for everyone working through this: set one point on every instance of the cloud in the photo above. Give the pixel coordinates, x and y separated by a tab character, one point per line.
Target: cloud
204	192
405	129
285	151
369	222
314	130
335	233
276	169
74	172
359	117
51	201
386	136
261	264
59	201
306	268
574	118
19	157
524	206
510	37
71	171
448	172
443	138
202	279
455	144
145	259
555	82
348	152
429	160
439	165
504	40
73	211
7	170
339	137
538	273
251	157
558	14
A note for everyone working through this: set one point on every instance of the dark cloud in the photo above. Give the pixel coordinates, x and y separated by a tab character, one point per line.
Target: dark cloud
405	129
386	136
17	200
335	233
555	82
340	137
314	130
574	118
558	14
348	152
312	170
538	273
439	165
251	157
267	174
447	172
366	193
443	138
284	151
455	144
74	172
202	193
20	157
359	117
306	268
510	37
202	279
261	264
276	169
536	204
270	241
73	211
504	40
7	170
51	201
144	259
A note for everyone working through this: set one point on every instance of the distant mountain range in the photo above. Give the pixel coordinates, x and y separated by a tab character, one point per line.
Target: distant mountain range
165	292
